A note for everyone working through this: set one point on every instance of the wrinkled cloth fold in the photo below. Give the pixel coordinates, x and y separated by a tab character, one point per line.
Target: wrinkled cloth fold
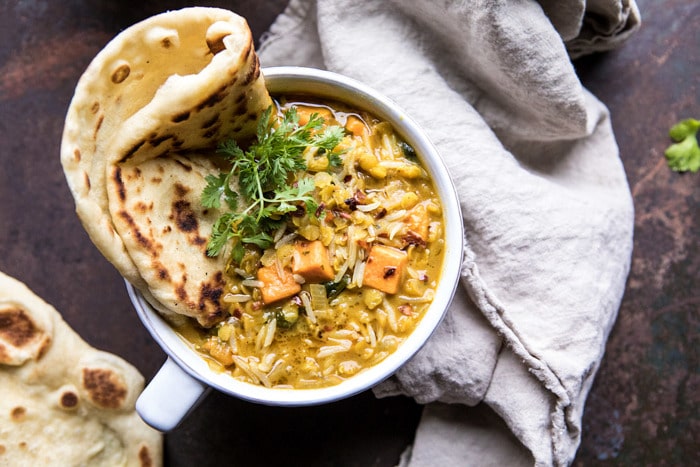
546	205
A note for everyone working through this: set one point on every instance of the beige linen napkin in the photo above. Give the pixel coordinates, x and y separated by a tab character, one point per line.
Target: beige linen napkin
545	200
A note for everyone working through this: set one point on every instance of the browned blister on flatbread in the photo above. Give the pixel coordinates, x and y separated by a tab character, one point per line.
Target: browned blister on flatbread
172	85
64	402
21	337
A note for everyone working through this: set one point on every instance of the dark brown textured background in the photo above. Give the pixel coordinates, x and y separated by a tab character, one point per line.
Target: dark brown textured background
643	408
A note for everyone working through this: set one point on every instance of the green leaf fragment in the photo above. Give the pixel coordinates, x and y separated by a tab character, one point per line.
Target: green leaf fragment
216	189
684	155
221	233
263	172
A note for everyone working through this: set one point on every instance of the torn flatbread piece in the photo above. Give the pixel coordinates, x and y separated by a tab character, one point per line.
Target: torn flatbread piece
64	402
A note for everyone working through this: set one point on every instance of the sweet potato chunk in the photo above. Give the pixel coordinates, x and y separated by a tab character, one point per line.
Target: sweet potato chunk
356	126
418	221
311	261
384	268
305	112
219	350
276	287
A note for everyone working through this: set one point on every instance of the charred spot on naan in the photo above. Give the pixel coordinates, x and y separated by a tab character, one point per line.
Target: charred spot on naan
177	143
156	140
212	292
130	153
181	117
21	338
211	132
121	73
217	96
211	122
68	400
16	327
184	217
145	242
253	72
166	42
241	109
121	189
145	457
104	387
153	141
208	305
184	165
143	208
18	414
162	272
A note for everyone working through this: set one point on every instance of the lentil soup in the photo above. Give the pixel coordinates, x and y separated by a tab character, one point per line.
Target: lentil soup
343	287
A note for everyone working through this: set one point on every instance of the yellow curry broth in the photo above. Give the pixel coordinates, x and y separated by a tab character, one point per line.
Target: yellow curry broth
380	222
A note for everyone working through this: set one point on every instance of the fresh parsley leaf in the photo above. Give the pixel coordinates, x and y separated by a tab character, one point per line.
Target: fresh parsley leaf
271	225
221	233
211	196
329	138
288	199
327	141
265	172
684	155
217	188
231	150
261	239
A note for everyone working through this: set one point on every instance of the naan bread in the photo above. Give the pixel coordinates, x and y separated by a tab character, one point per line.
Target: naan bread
177	82
155	207
62	402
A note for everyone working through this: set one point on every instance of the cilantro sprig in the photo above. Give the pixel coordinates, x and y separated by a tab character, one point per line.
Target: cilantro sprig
263	173
684	154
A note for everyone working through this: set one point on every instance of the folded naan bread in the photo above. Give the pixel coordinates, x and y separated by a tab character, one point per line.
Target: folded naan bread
172	85
155	206
62	402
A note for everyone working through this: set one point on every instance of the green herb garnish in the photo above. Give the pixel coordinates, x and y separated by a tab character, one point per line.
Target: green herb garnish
333	289
408	151
684	155
264	174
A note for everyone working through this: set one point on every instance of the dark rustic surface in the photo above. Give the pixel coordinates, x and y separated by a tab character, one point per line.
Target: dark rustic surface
643	408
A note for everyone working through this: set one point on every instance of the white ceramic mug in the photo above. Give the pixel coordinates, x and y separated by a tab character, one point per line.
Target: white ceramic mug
185	377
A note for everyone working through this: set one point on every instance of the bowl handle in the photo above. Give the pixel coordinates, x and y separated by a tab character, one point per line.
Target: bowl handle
169	397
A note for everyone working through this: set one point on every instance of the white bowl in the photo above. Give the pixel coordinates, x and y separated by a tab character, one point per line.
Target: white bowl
185	376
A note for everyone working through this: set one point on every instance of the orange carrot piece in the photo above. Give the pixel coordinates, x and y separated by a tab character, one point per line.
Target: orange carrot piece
276	287
311	261
384	268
